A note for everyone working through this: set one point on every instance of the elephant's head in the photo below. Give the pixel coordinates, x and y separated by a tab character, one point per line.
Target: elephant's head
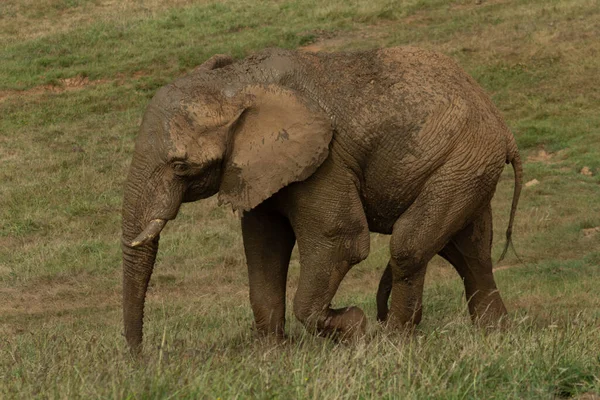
198	138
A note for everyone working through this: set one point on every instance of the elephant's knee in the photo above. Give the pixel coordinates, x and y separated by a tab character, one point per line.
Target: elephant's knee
405	261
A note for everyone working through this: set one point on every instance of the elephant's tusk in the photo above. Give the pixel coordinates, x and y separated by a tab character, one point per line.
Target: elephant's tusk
150	233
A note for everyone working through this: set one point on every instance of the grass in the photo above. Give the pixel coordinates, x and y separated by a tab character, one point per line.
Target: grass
75	77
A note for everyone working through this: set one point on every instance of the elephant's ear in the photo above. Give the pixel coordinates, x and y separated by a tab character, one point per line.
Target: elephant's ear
280	138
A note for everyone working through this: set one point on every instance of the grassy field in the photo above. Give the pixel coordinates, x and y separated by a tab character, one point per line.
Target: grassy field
75	76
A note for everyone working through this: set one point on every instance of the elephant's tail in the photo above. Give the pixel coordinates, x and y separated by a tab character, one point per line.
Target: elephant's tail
514	159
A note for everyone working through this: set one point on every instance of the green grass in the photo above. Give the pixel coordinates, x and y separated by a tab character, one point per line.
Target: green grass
75	77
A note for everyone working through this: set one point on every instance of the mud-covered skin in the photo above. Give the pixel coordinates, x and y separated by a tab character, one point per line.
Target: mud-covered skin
321	149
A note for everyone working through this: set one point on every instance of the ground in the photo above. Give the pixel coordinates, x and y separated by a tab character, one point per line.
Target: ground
75	76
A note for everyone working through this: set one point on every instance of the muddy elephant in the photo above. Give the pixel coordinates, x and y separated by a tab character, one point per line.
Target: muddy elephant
321	149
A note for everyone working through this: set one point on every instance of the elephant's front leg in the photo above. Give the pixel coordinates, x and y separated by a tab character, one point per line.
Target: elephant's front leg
268	243
332	236
318	283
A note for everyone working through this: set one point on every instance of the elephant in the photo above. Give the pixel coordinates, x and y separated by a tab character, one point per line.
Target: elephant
320	149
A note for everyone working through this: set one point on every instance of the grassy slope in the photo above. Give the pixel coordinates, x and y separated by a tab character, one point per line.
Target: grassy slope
75	76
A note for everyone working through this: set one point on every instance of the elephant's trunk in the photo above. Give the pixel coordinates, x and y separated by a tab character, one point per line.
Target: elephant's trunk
141	231
137	269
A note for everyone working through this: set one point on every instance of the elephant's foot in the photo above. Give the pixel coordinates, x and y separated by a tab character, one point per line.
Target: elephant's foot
270	330
406	308
344	324
487	310
403	322
382	315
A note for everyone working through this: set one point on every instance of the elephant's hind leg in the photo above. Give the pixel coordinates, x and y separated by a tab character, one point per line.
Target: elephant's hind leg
469	252
444	207
268	243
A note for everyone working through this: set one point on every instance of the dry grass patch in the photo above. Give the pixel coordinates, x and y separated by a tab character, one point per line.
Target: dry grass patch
31	19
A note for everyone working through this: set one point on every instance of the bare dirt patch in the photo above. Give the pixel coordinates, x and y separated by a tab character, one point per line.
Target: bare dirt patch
476	3
532	182
417	20
331	41
44	299
591	232
588	396
327	41
70	84
586	171
75	82
64	85
541	156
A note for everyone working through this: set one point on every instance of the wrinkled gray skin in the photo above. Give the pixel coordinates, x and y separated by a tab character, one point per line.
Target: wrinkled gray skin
320	149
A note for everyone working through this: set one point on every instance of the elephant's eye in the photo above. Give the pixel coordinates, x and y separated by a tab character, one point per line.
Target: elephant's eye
180	167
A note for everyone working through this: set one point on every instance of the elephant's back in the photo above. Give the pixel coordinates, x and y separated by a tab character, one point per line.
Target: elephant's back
366	92
421	80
